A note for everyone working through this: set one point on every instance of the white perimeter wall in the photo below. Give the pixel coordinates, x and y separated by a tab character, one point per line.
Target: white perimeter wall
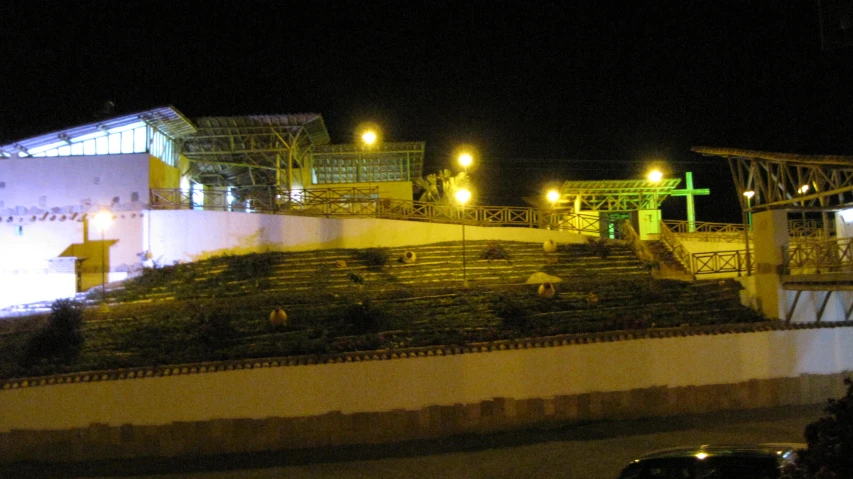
192	235
69	181
24	274
413	384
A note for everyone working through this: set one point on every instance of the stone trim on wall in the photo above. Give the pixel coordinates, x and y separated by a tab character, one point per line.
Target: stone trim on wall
240	435
384	355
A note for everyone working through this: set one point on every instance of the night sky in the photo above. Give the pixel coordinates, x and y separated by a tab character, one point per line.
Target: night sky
547	91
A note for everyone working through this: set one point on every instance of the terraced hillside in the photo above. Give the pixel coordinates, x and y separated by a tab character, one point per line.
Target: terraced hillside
357	300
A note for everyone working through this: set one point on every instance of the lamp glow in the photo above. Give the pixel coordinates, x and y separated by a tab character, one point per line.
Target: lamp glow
462	196
749	194
369	137
465	159
803	189
655	176
553	196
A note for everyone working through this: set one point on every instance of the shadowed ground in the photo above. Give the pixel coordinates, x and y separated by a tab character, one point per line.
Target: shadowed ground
592	450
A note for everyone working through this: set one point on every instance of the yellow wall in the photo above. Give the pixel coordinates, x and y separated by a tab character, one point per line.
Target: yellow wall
161	175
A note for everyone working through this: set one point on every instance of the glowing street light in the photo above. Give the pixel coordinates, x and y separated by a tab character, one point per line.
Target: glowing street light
102	221
749	194
369	137
465	160
462	197
553	196
655	176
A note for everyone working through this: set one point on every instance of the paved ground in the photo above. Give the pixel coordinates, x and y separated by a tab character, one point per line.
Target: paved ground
593	450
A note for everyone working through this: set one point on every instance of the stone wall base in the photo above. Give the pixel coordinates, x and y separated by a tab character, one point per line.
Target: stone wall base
227	436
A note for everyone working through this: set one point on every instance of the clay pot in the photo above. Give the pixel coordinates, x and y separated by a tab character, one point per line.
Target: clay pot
547	290
549	246
409	257
278	317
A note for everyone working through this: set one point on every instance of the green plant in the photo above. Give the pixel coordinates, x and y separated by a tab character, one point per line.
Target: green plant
60	339
375	257
320	278
830	440
599	247
364	317
494	250
511	311
214	329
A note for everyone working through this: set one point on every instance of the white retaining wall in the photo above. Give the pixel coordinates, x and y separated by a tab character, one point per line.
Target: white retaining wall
183	235
417	383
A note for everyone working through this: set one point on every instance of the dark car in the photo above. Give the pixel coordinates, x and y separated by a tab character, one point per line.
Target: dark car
756	461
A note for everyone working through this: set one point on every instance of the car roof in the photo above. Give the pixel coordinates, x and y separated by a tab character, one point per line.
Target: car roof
764	449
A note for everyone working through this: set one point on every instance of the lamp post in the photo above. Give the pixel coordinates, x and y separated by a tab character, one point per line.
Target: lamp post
553	196
102	222
749	194
655	176
462	196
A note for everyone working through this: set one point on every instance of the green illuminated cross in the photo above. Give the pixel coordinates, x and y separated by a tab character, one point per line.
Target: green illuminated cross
690	192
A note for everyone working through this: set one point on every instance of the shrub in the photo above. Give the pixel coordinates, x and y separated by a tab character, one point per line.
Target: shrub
364	317
598	247
60	339
494	251
830	439
375	257
214	329
512	312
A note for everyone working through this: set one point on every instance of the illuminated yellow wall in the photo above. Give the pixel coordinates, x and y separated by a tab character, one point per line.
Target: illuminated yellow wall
161	175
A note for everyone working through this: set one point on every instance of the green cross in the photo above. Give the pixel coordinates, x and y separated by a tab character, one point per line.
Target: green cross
690	192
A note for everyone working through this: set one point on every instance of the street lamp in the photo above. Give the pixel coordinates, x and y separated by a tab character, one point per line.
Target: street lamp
553	196
369	137
465	160
749	194
462	196
102	220
655	176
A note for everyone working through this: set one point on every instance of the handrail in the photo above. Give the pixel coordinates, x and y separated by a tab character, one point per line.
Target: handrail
818	256
707	232
732	261
364	202
669	240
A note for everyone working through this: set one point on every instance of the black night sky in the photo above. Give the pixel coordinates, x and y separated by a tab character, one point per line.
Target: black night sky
548	91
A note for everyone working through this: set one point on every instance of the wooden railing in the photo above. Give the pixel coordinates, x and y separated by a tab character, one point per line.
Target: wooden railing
670	240
811	229
709	232
734	261
818	256
364	202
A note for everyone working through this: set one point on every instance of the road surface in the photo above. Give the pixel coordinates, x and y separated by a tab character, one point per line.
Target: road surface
594	450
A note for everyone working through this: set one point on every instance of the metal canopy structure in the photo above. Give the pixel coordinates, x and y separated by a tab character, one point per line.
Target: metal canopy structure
357	163
252	150
614	195
790	181
167	120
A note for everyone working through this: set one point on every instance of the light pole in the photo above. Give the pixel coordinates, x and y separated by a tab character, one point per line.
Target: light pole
749	194
462	196
102	222
553	196
655	176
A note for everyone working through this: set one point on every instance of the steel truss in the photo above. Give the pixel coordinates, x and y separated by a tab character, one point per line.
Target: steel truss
252	150
788	180
614	195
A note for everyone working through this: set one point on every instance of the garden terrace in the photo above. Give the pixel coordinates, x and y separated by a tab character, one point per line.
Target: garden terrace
342	301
